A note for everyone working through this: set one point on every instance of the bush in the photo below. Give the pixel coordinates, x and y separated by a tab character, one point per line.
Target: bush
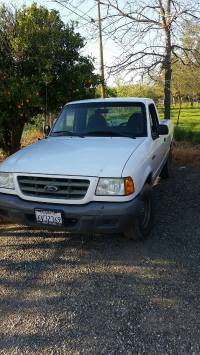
31	136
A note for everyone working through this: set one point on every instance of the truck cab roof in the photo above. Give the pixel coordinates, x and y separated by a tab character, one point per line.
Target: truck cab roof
145	101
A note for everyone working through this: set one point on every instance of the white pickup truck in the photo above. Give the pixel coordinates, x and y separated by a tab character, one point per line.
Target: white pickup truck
93	172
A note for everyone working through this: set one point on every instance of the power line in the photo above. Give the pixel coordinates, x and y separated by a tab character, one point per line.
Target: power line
84	13
81	14
73	11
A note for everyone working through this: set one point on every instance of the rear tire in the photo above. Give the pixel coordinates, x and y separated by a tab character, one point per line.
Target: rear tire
142	225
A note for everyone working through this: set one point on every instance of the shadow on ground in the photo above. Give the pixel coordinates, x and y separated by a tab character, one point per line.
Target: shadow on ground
106	295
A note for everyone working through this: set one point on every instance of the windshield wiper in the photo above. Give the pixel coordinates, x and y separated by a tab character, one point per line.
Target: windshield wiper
108	134
67	133
92	133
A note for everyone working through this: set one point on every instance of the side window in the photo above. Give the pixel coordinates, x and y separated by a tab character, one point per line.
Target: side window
153	121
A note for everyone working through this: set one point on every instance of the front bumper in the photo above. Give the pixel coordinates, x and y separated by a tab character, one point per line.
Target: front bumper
94	217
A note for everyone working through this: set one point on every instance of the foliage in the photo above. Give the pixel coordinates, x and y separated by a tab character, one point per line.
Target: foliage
30	136
110	91
40	63
36	122
138	90
185	68
189	127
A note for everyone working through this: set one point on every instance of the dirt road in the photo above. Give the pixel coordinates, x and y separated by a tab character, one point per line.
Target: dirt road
108	295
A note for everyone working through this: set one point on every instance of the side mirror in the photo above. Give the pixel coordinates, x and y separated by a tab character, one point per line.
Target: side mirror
163	130
47	130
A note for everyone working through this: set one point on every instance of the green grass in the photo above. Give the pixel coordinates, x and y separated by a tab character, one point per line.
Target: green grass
189	123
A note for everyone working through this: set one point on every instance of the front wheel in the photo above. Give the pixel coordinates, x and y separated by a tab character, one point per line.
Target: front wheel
141	227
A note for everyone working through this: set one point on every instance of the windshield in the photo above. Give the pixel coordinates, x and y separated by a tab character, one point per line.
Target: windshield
102	119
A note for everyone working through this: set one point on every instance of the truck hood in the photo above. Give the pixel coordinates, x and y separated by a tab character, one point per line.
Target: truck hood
91	156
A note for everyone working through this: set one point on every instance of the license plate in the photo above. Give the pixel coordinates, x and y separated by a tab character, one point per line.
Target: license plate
52	218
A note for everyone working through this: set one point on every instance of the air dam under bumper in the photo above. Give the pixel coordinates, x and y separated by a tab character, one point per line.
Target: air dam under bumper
94	217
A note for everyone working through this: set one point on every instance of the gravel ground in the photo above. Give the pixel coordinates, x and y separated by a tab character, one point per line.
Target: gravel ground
106	295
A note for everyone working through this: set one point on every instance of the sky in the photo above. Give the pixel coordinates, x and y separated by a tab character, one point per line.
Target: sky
87	11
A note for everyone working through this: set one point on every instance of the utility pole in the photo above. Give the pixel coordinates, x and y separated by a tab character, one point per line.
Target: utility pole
46	102
103	93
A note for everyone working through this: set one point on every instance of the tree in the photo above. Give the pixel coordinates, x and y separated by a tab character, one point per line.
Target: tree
186	81
185	85
186	72
138	90
149	34
41	68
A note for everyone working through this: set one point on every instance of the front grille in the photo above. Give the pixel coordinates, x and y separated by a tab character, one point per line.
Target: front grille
56	188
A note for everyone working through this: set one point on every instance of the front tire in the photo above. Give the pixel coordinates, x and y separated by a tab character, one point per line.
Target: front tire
140	229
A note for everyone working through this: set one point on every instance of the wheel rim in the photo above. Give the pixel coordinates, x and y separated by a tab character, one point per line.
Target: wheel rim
146	213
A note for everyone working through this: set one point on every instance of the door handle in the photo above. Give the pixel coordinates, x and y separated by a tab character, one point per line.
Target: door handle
153	157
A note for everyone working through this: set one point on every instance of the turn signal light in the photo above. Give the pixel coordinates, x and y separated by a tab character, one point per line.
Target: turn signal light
129	187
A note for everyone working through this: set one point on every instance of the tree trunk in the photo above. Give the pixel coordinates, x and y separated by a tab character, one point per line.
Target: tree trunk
179	112
168	69
16	139
168	76
12	139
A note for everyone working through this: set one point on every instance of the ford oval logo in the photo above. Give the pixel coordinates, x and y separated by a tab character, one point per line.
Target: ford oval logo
51	188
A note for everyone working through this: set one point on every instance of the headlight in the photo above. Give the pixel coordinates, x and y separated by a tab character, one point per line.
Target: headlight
6	181
115	187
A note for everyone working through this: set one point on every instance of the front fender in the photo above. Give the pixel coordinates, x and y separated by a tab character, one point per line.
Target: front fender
139	167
